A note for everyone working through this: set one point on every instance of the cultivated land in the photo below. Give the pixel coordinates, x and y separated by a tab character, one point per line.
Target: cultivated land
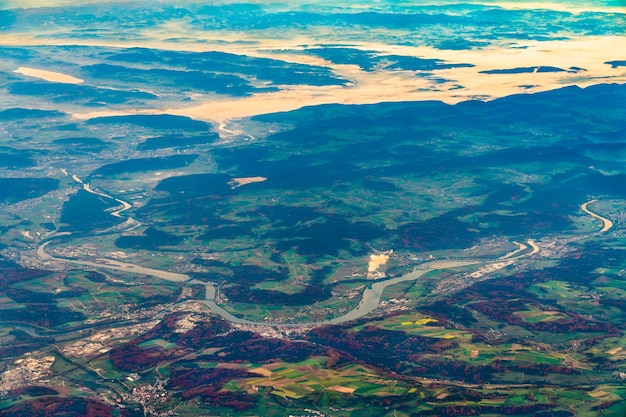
171	245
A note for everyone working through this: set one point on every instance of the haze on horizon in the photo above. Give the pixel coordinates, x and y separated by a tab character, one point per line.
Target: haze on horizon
292	44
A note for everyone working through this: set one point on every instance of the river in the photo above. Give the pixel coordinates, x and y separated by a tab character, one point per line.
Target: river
369	301
607	224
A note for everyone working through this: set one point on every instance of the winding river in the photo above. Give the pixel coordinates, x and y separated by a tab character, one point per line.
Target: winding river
369	302
116	213
606	222
370	299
